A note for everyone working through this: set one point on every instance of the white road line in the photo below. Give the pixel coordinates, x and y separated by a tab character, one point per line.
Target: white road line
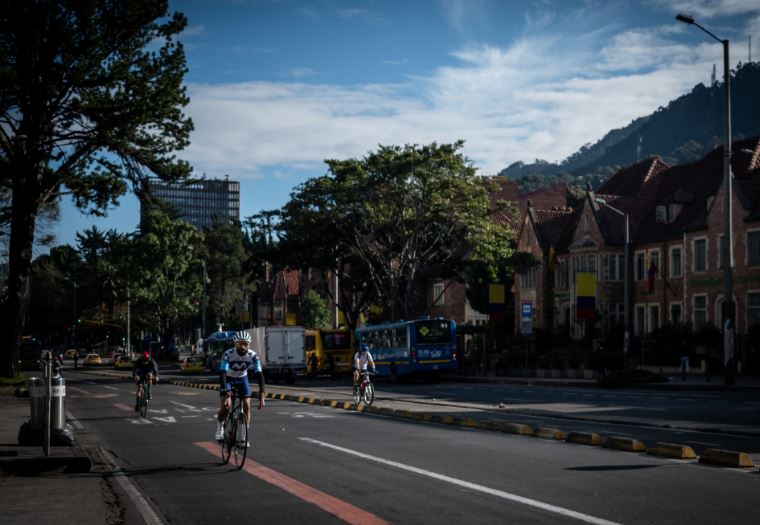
112	388
466	484
74	422
141	502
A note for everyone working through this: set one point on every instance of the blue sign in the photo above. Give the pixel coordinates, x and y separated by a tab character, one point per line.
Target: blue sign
527	310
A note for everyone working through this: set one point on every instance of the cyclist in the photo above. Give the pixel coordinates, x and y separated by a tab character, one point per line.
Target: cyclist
144	368
235	365
362	357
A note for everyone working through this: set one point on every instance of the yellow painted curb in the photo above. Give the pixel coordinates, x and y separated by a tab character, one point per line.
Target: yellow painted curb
625	443
549	433
671	450
584	438
516	428
490	424
726	458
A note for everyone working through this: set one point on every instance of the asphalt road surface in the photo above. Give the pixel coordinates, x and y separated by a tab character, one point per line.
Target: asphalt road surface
312	464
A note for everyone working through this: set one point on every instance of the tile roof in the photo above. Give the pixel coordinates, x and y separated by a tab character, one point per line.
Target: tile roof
691	185
550	225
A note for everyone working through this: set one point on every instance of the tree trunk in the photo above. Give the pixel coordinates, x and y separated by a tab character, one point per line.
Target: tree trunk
23	213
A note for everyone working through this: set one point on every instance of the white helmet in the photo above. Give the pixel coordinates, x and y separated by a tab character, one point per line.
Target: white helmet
242	336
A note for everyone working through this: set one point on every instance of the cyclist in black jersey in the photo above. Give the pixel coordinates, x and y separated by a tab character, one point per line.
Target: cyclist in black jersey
144	368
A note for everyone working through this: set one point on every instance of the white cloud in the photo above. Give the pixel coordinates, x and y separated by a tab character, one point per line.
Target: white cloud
564	83
708	8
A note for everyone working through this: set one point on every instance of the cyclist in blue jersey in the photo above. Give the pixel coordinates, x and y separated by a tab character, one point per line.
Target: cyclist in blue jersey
236	363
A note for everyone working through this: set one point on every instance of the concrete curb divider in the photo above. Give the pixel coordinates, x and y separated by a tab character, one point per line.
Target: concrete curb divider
625	443
726	458
584	438
549	433
516	428
671	450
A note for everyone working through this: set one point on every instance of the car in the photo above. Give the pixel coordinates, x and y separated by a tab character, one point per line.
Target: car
70	354
191	365
92	359
122	361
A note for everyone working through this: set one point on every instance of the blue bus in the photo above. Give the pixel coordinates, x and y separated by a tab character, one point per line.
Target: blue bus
215	345
421	347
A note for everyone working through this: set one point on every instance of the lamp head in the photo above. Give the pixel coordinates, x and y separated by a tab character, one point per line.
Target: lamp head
686	19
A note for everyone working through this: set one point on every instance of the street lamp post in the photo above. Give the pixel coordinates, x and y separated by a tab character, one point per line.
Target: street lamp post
729	308
627	284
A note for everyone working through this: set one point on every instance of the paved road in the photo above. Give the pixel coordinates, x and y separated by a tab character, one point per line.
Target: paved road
313	464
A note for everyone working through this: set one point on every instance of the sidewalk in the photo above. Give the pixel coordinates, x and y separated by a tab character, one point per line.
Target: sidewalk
43	489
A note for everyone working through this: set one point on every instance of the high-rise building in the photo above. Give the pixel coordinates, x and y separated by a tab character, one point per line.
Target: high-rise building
202	203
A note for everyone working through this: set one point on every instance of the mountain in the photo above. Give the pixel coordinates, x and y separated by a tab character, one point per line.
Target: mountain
684	131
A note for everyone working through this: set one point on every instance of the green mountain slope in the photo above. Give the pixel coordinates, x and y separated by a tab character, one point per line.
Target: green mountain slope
684	131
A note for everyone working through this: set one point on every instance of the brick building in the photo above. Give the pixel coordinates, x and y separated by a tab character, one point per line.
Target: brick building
675	225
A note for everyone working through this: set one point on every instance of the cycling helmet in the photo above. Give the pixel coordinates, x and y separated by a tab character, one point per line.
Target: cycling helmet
242	336
364	347
146	355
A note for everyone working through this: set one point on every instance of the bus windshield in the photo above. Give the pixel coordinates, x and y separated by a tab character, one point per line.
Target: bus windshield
336	340
433	331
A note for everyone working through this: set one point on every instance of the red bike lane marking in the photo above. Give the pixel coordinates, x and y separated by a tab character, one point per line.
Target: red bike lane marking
331	504
125	408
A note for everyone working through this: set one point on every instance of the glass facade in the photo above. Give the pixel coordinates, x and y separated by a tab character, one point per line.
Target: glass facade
202	203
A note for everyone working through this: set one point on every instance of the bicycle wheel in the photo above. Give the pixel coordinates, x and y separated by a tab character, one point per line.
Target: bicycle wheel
143	403
369	394
227	443
241	441
357	395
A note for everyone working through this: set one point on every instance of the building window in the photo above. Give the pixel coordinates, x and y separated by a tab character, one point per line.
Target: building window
753	248
640	267
616	267
654	317
700	255
591	263
676	313
654	257
561	275
661	213
615	314
753	308
676	266
640	321
700	312
529	278
438	295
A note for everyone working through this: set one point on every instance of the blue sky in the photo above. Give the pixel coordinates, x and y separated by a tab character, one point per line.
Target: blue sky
277	86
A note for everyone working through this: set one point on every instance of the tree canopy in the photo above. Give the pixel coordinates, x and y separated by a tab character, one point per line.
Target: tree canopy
91	100
392	222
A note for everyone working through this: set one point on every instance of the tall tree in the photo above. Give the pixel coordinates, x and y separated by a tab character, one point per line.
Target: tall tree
225	258
170	285
399	218
91	99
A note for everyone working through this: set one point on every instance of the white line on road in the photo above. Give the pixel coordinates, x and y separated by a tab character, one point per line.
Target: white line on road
74	422
112	388
466	484
141	502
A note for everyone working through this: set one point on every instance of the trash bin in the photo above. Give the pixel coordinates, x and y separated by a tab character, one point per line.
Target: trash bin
37	402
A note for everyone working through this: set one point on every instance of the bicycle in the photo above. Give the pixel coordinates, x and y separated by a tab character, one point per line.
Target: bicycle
144	397
365	391
235	441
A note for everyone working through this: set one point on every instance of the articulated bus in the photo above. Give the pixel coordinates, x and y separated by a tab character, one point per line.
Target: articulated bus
420	347
333	347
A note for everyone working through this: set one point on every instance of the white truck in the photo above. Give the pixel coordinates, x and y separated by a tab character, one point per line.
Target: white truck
282	351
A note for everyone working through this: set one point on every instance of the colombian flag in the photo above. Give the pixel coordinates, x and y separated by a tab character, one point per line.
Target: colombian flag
585	296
